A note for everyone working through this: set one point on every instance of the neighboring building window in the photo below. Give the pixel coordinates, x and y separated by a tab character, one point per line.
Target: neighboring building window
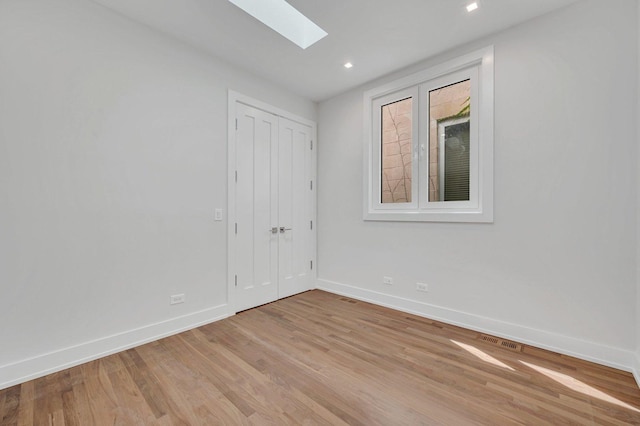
429	144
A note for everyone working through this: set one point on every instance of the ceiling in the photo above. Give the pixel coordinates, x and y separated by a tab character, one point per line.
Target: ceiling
377	36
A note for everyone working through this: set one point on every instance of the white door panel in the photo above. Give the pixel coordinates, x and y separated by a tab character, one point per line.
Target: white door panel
295	193
256	208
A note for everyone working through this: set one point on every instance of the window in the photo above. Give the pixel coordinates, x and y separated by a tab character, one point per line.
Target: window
429	144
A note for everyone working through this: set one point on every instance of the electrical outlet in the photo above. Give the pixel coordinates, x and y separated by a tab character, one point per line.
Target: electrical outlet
177	298
387	280
422	287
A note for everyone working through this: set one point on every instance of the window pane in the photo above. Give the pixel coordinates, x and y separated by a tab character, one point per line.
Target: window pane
449	137
396	151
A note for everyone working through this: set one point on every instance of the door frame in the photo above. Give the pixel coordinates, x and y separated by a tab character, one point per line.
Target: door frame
233	98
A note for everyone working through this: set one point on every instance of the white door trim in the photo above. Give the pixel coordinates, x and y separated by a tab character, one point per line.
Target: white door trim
233	98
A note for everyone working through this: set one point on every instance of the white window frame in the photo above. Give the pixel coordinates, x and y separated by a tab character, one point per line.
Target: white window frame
476	66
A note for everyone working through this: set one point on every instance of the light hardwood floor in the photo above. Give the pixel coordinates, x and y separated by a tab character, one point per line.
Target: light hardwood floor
318	358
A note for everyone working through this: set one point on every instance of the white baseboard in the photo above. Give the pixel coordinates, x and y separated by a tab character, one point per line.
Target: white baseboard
41	365
636	368
589	351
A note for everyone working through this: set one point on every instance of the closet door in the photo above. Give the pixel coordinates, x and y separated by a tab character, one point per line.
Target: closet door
295	195
273	232
256	229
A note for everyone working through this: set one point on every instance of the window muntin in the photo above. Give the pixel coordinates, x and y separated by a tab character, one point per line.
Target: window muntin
450	165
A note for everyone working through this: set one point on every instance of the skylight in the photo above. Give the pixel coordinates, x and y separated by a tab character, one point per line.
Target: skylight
283	18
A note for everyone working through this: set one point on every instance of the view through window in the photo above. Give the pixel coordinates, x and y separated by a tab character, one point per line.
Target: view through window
396	151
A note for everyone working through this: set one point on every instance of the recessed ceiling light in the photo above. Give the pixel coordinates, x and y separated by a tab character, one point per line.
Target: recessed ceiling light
283	18
471	7
348	65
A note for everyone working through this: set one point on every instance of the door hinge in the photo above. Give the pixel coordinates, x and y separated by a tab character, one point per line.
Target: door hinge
236	176
311	185
311	224
236	124
236	228
311	261
236	280
311	144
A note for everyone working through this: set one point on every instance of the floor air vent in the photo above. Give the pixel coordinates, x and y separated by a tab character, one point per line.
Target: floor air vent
506	344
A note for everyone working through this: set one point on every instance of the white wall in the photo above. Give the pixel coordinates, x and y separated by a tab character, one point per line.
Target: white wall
557	268
112	161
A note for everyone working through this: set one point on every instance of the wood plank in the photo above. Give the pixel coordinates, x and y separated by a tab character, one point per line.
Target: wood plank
25	410
11	406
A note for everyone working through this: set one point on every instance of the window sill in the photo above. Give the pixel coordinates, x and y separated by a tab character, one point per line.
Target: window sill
458	216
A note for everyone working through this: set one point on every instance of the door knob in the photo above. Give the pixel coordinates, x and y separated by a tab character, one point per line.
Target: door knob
282	229
274	230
